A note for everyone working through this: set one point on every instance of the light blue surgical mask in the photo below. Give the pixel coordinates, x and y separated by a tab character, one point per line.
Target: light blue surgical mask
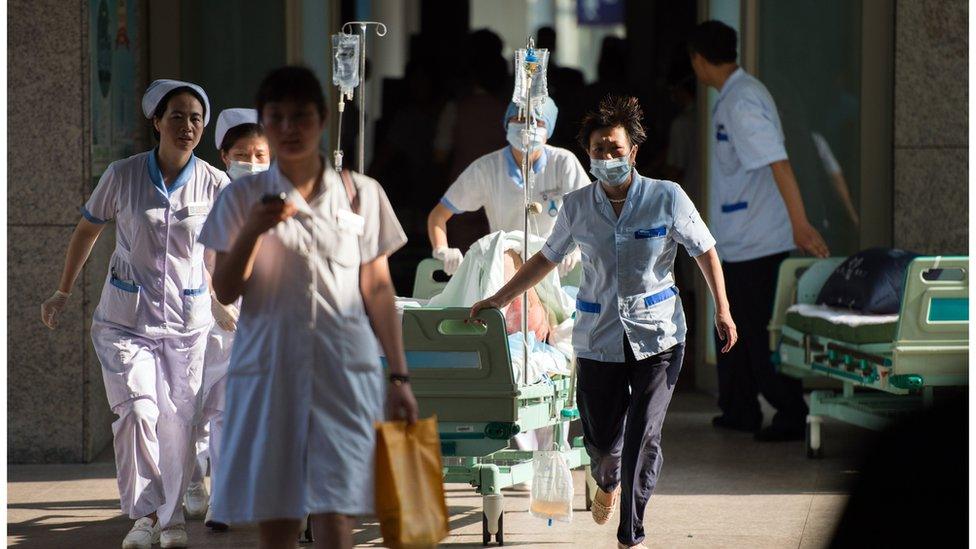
537	135
613	172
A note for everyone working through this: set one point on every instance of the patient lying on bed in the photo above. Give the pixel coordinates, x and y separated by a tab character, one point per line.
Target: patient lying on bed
538	317
488	265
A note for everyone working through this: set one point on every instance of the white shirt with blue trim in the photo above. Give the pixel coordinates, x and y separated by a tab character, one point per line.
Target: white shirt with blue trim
746	208
628	282
494	182
156	284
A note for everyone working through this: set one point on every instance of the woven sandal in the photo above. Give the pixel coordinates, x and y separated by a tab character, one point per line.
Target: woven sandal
603	513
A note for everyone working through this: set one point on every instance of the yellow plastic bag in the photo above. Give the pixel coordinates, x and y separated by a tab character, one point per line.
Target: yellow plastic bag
410	501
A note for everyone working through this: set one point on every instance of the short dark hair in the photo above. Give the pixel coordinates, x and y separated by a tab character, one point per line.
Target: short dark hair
239	132
614	111
291	83
715	41
164	104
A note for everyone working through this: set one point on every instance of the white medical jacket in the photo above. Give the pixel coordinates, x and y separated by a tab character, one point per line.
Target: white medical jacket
746	208
628	282
156	284
494	182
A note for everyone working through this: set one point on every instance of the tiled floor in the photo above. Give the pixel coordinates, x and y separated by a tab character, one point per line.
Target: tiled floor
718	489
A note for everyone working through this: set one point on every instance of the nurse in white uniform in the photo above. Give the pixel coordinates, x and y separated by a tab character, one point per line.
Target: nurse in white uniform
305	384
244	150
760	218
630	327
150	328
494	182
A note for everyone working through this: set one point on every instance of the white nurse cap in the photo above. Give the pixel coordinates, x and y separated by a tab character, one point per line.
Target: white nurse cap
231	118
159	88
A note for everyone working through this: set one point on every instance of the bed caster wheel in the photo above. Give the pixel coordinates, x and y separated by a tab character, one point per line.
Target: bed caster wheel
306	532
486	535
814	442
493	519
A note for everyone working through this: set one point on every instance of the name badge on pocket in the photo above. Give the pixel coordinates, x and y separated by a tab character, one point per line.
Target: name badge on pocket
650	233
197	208
351	222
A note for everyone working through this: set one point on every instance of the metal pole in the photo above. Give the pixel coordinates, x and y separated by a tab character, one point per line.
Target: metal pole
528	113
380	31
362	101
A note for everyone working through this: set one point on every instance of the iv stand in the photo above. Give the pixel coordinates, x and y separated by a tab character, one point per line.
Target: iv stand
527	180
380	31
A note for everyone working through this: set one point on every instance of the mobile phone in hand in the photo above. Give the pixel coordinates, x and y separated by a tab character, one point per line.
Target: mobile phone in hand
274	198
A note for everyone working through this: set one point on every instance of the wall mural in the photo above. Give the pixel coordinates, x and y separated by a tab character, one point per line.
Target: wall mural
116	120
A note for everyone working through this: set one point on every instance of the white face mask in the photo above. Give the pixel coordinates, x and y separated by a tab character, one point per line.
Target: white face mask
240	169
537	135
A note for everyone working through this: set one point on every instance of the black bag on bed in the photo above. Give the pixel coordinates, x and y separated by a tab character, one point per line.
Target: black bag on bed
870	281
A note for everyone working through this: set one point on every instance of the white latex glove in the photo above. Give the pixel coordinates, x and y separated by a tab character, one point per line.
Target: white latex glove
224	315
51	309
451	257
569	262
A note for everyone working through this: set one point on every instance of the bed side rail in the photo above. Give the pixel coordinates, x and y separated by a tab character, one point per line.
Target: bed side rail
789	293
425	286
460	371
935	304
933	327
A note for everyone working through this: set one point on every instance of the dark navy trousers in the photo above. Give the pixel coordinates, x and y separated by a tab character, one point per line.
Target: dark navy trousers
747	370
622	407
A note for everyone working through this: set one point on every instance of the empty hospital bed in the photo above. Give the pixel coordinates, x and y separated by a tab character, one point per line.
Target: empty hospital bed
463	373
898	359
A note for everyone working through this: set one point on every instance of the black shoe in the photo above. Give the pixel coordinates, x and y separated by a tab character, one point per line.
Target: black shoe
722	422
780	434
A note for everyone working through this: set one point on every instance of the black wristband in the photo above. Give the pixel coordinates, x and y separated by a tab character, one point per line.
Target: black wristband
399	379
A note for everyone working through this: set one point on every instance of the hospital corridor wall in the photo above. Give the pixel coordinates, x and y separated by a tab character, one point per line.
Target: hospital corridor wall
74	77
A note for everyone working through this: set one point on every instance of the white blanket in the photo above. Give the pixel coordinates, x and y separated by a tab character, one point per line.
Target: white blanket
482	273
845	317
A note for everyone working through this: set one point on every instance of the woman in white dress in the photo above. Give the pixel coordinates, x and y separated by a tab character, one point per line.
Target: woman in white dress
307	250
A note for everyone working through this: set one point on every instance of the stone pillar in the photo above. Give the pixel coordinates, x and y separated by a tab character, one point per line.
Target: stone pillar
57	410
931	192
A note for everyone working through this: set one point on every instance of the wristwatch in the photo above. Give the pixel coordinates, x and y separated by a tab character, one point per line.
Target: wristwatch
399	379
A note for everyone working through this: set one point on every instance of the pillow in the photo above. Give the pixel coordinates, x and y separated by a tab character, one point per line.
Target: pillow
870	281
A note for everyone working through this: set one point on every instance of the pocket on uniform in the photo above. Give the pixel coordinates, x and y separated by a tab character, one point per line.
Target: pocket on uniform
654	306
587	314
360	351
344	250
123	300
728	160
196	307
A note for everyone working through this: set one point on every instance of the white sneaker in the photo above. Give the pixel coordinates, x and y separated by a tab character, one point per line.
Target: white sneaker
142	536
174	536
196	500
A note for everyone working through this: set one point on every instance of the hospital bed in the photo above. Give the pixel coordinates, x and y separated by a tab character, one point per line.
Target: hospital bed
462	373
897	361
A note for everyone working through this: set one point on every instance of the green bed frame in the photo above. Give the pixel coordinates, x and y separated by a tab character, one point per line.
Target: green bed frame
930	347
462	373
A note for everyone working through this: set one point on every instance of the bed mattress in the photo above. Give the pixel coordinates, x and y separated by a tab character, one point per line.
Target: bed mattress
842	324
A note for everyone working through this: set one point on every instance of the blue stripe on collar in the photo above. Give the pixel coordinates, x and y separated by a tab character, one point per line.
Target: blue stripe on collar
156	175
515	170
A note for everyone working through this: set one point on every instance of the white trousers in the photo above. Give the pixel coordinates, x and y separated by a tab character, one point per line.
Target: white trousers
216	362
152	385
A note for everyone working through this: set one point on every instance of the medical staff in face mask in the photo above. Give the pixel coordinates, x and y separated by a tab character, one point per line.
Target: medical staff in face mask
630	328
494	182
244	150
150	328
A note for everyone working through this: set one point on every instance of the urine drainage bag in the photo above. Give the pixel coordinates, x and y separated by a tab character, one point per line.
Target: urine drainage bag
552	487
